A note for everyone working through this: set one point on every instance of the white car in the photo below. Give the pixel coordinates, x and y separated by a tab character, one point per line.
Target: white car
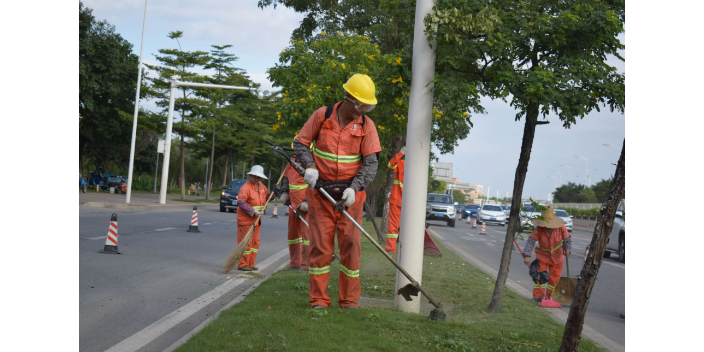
491	213
566	217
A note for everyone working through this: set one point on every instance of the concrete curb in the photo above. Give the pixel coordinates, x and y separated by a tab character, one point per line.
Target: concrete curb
116	206
136	207
559	315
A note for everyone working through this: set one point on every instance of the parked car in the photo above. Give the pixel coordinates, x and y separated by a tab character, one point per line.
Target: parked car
617	237
102	177
440	207
470	210
566	217
228	197
459	208
491	213
506	209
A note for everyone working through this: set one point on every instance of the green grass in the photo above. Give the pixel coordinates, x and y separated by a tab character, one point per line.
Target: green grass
199	200
276	316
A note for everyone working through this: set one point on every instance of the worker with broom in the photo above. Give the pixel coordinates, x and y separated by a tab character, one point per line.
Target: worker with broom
250	203
338	145
397	165
294	190
553	244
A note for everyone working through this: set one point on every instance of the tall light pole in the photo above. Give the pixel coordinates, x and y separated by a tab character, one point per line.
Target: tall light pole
559	173
488	194
569	178
590	177
612	146
585	168
410	255
136	110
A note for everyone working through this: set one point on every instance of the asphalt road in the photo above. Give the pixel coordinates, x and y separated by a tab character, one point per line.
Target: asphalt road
607	300
161	269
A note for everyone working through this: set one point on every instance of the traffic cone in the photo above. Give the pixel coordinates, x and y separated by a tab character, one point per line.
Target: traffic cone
483	231
469	220
194	221
276	212
111	240
474	223
286	211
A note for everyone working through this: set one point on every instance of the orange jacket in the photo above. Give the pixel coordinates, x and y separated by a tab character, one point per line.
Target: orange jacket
338	152
296	186
249	194
397	165
550	247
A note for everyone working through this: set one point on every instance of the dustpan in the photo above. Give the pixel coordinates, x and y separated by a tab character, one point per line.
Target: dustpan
564	290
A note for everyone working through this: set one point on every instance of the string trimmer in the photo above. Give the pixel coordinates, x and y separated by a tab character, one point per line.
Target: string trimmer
288	204
407	291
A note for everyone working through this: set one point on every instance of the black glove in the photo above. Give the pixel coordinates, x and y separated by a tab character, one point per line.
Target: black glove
277	192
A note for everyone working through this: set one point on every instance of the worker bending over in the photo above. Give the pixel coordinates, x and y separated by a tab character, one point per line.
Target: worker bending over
397	165
294	190
250	203
550	235
344	144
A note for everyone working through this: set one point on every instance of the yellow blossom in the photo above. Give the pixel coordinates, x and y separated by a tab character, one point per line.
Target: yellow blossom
303	100
343	66
275	127
398	60
328	87
283	123
323	33
295	114
400	79
390	62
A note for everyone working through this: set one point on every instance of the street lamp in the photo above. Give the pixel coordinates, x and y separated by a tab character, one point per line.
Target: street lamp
585	168
612	146
590	177
488	194
570	175
559	173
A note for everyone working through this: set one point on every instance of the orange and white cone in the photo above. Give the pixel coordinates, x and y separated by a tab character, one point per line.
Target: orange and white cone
474	223
111	240
469	220
483	231
286	211
276	212
194	221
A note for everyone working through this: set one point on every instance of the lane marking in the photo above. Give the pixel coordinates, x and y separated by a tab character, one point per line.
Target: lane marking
559	315
161	326
622	266
94	238
164	229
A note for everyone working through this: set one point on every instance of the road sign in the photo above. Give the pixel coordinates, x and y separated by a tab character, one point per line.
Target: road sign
160	147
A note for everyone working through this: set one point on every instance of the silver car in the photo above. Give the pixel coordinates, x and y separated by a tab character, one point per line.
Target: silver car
617	237
566	217
491	213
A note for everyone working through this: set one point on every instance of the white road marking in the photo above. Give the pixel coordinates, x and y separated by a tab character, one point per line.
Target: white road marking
208	223
95	238
151	332
166	229
614	264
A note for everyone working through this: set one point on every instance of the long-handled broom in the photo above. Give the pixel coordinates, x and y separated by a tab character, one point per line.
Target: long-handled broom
237	254
545	303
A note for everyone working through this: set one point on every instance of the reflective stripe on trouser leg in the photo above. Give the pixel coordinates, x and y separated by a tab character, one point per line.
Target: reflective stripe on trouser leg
295	242
241	232
254	245
305	245
394	223
349	238
321	218
555	271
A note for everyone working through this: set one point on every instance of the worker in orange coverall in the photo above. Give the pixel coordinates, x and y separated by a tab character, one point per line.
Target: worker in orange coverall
553	244
397	165
250	203
339	146
294	190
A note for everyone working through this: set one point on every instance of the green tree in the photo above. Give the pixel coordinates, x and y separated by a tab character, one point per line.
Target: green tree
567	193
459	196
191	107
107	75
586	195
542	55
601	188
437	186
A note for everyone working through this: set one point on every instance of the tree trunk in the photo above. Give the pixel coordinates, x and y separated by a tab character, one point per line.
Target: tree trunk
519	179
371	214
81	145
209	183
602	230
224	171
252	164
390	175
183	169
268	182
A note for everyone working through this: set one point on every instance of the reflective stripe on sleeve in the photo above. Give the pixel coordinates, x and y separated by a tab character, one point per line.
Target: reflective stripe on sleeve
398	183
297	187
392	167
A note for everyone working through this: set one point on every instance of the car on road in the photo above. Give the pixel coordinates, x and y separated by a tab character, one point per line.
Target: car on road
459	208
506	208
470	210
440	207
491	213
566	217
228	197
617	237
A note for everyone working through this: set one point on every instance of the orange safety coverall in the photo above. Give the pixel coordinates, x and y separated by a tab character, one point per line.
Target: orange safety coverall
298	233
550	253
338	155
257	199
397	165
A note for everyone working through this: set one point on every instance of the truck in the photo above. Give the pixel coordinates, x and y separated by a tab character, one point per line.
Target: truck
102	178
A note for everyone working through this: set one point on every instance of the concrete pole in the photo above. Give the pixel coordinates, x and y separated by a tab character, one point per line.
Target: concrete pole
136	110
167	141
417	160
156	172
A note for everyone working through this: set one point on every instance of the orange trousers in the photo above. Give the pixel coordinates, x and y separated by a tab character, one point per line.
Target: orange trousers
555	271
323	221
394	224
298	241
250	254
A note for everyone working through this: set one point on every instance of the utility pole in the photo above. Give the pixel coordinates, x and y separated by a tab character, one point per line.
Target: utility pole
420	108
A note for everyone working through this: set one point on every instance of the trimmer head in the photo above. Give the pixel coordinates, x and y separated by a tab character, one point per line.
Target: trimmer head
408	291
437	314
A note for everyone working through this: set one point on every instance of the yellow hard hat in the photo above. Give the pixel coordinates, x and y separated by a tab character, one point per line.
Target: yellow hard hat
362	88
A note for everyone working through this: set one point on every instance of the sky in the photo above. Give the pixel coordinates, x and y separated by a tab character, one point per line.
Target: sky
489	154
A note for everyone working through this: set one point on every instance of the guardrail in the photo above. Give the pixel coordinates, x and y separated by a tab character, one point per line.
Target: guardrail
576	205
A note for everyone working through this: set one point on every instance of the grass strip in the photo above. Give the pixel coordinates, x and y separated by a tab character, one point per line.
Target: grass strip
277	317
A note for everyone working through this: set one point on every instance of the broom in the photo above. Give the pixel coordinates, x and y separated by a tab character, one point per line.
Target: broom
237	254
546	303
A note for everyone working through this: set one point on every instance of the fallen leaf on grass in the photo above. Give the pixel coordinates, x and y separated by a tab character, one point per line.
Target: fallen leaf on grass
268	308
301	330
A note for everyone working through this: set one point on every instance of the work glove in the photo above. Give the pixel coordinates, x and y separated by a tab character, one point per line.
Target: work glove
284	197
256	212
277	191
403	150
526	260
348	197
311	177
303	207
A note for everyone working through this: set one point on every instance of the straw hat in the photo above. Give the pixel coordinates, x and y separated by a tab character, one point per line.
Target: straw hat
257	170
553	222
